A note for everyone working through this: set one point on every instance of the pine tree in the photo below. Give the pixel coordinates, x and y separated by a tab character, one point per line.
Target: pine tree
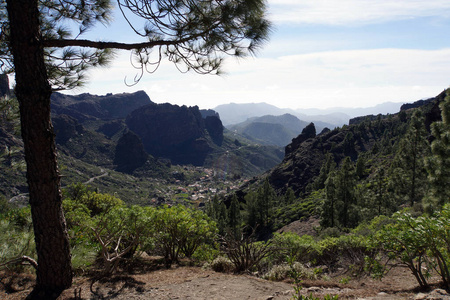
265	201
345	185
409	173
328	214
252	211
234	216
438	164
328	166
289	196
361	166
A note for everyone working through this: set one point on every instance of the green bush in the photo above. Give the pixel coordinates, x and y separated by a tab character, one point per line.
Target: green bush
181	230
291	245
420	243
206	253
121	231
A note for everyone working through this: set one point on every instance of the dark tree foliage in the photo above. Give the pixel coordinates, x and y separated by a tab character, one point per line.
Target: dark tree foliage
328	166
438	164
340	202
234	216
408	169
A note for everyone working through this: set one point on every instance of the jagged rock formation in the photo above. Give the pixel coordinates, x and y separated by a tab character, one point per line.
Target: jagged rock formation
302	161
172	131
130	153
209	113
308	132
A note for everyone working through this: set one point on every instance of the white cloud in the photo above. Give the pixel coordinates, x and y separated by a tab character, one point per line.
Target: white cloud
348	12
322	79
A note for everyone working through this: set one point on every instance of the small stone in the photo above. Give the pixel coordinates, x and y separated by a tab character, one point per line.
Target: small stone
420	296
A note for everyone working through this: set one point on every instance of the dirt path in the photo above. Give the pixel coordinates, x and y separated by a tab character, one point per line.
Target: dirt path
104	173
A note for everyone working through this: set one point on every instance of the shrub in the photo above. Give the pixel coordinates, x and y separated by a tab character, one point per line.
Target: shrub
245	253
180	230
291	245
422	244
283	271
206	253
222	264
120	232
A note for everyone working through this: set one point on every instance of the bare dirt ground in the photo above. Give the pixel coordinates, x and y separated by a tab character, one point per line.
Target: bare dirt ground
147	281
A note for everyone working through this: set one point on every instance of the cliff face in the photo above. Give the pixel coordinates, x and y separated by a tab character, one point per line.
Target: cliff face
174	132
215	129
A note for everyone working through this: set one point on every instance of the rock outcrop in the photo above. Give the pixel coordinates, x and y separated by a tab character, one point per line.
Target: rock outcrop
130	153
172	131
215	129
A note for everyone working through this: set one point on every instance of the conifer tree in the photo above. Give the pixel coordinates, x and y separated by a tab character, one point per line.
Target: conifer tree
409	173
252	211
327	167
328	213
289	196
361	166
234	215
265	201
345	185
438	164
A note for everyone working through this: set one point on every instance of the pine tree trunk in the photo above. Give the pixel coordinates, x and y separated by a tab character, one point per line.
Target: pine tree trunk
54	273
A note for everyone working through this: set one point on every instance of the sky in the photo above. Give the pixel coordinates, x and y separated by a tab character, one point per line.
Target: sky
321	54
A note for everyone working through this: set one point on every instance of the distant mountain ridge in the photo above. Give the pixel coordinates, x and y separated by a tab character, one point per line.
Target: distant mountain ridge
88	106
272	130
235	113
